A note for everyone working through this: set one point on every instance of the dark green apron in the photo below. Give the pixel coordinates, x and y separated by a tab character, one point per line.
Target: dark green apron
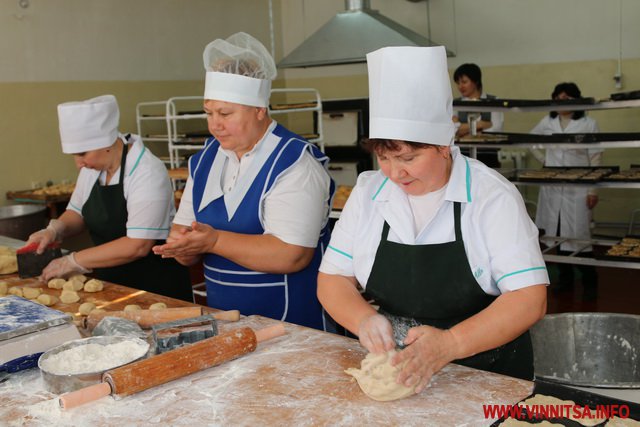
433	285
105	215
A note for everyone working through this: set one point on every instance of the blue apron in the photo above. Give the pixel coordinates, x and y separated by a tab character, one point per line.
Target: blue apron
287	297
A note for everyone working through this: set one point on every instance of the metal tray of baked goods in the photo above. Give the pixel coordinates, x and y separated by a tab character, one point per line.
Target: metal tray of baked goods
567	174
564	138
627	249
623	96
629	175
599	407
511	103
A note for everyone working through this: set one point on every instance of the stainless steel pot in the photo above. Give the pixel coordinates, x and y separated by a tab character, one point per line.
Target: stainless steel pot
588	349
19	221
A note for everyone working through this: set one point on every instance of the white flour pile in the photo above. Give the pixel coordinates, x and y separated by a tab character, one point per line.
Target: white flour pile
93	357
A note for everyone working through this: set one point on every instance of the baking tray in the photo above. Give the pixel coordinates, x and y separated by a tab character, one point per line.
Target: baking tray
626	175
565	138
602	255
560	169
623	96
510	103
580	397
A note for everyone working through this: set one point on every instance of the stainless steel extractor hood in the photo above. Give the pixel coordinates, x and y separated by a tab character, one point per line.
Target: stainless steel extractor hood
350	35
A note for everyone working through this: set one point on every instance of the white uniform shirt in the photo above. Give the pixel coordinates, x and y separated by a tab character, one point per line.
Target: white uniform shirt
563	156
147	189
296	208
497	118
500	239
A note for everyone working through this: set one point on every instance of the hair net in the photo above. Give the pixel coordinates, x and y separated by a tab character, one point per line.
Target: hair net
240	54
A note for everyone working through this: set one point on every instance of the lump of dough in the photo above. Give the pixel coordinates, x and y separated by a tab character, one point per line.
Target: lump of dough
6	250
31	293
132	307
79	277
377	378
98	310
158	306
69	297
56	283
46	299
8	264
15	291
93	285
4	286
86	308
73	285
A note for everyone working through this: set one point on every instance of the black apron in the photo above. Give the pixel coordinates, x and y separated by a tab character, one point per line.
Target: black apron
105	214
433	285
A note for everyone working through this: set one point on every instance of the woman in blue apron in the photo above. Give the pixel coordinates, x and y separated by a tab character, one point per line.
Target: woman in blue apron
256	203
123	197
441	243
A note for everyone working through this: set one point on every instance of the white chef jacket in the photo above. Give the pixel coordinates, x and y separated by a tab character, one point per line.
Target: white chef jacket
497	117
500	239
295	210
569	204
147	189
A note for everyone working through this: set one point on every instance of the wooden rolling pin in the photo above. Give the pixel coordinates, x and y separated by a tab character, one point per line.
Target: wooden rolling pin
148	318
174	364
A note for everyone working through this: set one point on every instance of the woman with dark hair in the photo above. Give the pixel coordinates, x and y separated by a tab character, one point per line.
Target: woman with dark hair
562	210
468	78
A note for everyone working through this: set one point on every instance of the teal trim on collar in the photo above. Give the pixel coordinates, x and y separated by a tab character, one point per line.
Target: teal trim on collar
520	271
75	207
138	160
380	188
340	252
468	180
147	228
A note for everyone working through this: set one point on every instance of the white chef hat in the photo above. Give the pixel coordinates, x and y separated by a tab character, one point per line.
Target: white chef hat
239	70
88	125
410	95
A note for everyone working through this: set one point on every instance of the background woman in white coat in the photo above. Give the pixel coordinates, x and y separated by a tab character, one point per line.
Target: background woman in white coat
441	242
563	210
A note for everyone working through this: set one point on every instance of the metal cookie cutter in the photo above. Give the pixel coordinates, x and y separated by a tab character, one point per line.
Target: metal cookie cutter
170	335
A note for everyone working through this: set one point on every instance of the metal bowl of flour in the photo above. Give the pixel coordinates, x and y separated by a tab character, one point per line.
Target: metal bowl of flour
80	363
588	349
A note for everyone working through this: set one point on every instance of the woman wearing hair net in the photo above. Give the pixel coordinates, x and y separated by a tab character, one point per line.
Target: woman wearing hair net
442	243
256	204
123	197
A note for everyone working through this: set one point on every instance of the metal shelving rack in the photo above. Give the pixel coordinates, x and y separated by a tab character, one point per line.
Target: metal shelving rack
316	108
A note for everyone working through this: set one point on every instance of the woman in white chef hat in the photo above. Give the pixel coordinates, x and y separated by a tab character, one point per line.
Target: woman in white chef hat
256	204
442	243
123	197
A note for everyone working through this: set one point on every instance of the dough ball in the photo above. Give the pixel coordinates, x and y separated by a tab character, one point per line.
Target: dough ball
86	308
4	287
6	250
158	306
8	264
46	299
132	307
56	283
69	297
377	378
98	310
31	293
79	277
15	291
93	285
73	285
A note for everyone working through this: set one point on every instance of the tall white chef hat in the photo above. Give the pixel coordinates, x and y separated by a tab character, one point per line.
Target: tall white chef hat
239	70
410	95
88	125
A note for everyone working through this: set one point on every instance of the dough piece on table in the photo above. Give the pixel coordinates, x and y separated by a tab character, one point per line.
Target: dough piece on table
6	250
512	422
4	287
56	283
46	299
158	306
31	293
377	378
79	277
15	291
98	310
86	308
69	297
542	399
8	264
132	307
93	285
73	285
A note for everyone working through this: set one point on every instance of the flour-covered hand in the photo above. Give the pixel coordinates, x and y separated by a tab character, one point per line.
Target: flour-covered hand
376	334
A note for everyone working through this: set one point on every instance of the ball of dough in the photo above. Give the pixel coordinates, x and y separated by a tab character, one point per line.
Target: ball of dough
8	264
157	306
98	310
6	250
86	308
46	299
31	293
73	285
132	307
79	277
4	287
15	291
69	297
93	285
56	283
377	377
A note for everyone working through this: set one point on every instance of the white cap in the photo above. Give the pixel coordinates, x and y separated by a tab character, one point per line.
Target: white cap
410	95
88	125
239	70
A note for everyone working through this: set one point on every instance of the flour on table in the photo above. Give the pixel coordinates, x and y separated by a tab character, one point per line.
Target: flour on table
377	378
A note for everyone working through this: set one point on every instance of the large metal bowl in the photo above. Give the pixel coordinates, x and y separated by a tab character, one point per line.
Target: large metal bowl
588	349
57	383
19	221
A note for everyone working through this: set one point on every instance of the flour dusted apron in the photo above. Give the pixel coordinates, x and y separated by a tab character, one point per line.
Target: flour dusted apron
105	214
433	285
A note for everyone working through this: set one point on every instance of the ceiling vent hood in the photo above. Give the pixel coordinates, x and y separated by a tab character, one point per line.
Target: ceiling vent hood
350	35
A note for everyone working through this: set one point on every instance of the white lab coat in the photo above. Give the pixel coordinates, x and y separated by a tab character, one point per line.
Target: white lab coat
569	204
